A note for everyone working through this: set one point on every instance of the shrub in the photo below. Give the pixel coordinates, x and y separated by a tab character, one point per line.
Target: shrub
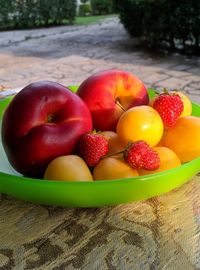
7	8
33	13
161	22
102	7
85	9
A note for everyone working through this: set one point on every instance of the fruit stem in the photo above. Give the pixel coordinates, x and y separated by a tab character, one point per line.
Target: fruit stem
117	101
129	143
50	118
156	92
165	91
113	154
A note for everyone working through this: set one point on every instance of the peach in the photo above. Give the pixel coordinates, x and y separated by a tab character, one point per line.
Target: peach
140	123
168	160
113	168
184	138
68	168
108	93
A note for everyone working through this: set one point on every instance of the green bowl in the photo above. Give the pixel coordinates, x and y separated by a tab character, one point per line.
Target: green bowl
92	194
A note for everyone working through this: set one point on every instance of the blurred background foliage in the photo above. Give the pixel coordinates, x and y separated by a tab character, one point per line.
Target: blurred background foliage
155	23
15	14
162	23
20	14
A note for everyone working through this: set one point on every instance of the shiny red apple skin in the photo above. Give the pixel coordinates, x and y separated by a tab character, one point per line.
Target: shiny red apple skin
105	91
43	121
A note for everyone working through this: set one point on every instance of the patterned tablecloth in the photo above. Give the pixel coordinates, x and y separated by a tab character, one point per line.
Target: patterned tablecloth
160	233
157	234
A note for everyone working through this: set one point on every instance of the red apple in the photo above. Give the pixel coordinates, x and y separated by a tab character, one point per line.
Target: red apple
43	121
108	93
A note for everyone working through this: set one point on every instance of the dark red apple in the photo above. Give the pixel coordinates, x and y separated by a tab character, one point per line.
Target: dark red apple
108	93
43	121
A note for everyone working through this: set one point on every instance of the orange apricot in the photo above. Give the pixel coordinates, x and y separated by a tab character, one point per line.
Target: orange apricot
113	168
162	140
140	123
184	138
186	103
168	160
68	168
114	144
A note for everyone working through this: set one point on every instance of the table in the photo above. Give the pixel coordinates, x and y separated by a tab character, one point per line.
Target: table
159	233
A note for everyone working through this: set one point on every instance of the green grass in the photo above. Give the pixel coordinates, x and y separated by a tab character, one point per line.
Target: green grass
90	19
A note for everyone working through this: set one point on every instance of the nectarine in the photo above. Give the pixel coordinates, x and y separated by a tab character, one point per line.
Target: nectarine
108	93
43	121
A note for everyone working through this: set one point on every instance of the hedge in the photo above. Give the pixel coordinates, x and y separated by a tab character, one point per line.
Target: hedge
85	9
175	24
102	7
35	13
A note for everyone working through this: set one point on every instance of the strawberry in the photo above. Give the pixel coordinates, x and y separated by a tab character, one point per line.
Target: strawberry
92	147
169	106
140	155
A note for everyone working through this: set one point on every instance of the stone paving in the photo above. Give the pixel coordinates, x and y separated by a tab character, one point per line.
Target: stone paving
68	54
